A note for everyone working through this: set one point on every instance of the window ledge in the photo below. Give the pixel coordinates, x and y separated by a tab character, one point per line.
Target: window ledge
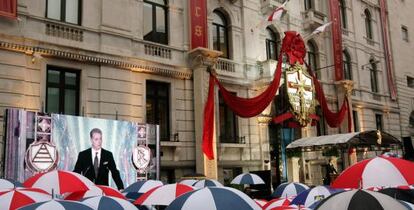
234	145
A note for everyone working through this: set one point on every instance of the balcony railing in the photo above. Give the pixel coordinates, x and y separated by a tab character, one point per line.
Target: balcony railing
157	51
64	32
313	19
225	65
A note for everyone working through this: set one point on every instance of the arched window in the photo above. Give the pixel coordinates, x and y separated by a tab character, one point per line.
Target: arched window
342	10
368	23
272	44
312	58
347	65
156	21
220	34
373	74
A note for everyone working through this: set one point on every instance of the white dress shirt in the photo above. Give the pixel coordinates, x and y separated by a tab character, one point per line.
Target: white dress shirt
94	154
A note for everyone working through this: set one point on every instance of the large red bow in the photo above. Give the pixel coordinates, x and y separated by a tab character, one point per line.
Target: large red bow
294	47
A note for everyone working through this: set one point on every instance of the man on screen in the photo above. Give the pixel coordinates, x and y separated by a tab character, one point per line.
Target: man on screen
95	162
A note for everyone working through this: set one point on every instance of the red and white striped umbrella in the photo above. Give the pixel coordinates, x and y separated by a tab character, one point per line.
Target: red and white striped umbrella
163	195
97	190
59	182
377	172
15	198
277	202
9	184
260	202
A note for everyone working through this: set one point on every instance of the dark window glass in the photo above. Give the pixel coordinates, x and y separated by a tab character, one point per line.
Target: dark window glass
155	21
356	121
347	65
374	76
312	59
64	10
368	24
308	4
228	123
342	10
62	91
220	34
158	107
272	44
378	121
320	125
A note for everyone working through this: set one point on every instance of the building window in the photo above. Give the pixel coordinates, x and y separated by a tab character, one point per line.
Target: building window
228	123
374	76
356	121
62	90
347	65
342	10
308	4
64	10
410	82
156	21
312	59
378	121
158	107
404	31
320	125
272	44
368	24
220	34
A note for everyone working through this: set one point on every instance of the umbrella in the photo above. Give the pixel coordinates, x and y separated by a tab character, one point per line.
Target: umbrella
212	198
94	191
7	184
59	182
276	203
108	202
289	189
188	182
409	206
310	196
375	189
400	194
138	188
260	202
207	183
290	207
163	195
360	200
247	178
57	205
376	172
15	198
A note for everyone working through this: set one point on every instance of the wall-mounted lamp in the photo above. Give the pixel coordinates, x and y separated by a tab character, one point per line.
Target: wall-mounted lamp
369	64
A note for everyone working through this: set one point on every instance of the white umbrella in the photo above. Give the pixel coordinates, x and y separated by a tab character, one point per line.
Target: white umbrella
163	195
247	178
207	183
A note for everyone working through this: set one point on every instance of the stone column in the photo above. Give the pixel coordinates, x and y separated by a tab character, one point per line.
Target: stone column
200	60
344	88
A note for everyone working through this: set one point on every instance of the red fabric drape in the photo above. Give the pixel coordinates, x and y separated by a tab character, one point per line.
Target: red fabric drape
208	128
8	8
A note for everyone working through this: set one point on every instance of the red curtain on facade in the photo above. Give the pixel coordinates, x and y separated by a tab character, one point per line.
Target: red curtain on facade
8	8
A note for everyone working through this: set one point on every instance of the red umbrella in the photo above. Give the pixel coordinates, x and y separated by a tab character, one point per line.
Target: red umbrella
59	182
15	198
377	172
98	190
163	195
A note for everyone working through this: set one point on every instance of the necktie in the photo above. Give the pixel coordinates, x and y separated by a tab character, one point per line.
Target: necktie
96	164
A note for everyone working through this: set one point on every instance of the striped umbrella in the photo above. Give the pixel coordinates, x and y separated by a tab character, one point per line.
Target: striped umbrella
7	184
108	202
57	205
364	174
310	196
163	195
408	205
138	188
11	199
207	183
277	202
400	194
212	198
95	191
260	202
188	182
59	182
287	189
360	200
247	178
290	207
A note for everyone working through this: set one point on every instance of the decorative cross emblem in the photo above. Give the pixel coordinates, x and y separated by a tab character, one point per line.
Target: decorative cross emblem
141	132
44	125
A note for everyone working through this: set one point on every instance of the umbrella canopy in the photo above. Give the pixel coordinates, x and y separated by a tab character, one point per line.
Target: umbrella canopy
360	200
59	182
260	202
57	205
276	203
310	196
15	198
287	189
400	194
393	172
247	178
108	202
291	207
94	191
207	183
409	206
7	184
138	188
212	198
163	195
188	182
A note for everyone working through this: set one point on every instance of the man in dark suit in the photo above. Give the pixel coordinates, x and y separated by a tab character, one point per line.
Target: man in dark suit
94	163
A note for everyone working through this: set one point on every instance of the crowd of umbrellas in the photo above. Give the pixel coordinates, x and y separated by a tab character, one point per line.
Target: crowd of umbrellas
379	183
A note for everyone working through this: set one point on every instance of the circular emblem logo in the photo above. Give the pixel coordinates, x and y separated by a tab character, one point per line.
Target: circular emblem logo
141	157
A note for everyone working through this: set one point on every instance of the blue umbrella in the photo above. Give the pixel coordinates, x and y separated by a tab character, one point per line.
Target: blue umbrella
287	189
310	196
108	202
138	188
214	198
247	178
56	205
